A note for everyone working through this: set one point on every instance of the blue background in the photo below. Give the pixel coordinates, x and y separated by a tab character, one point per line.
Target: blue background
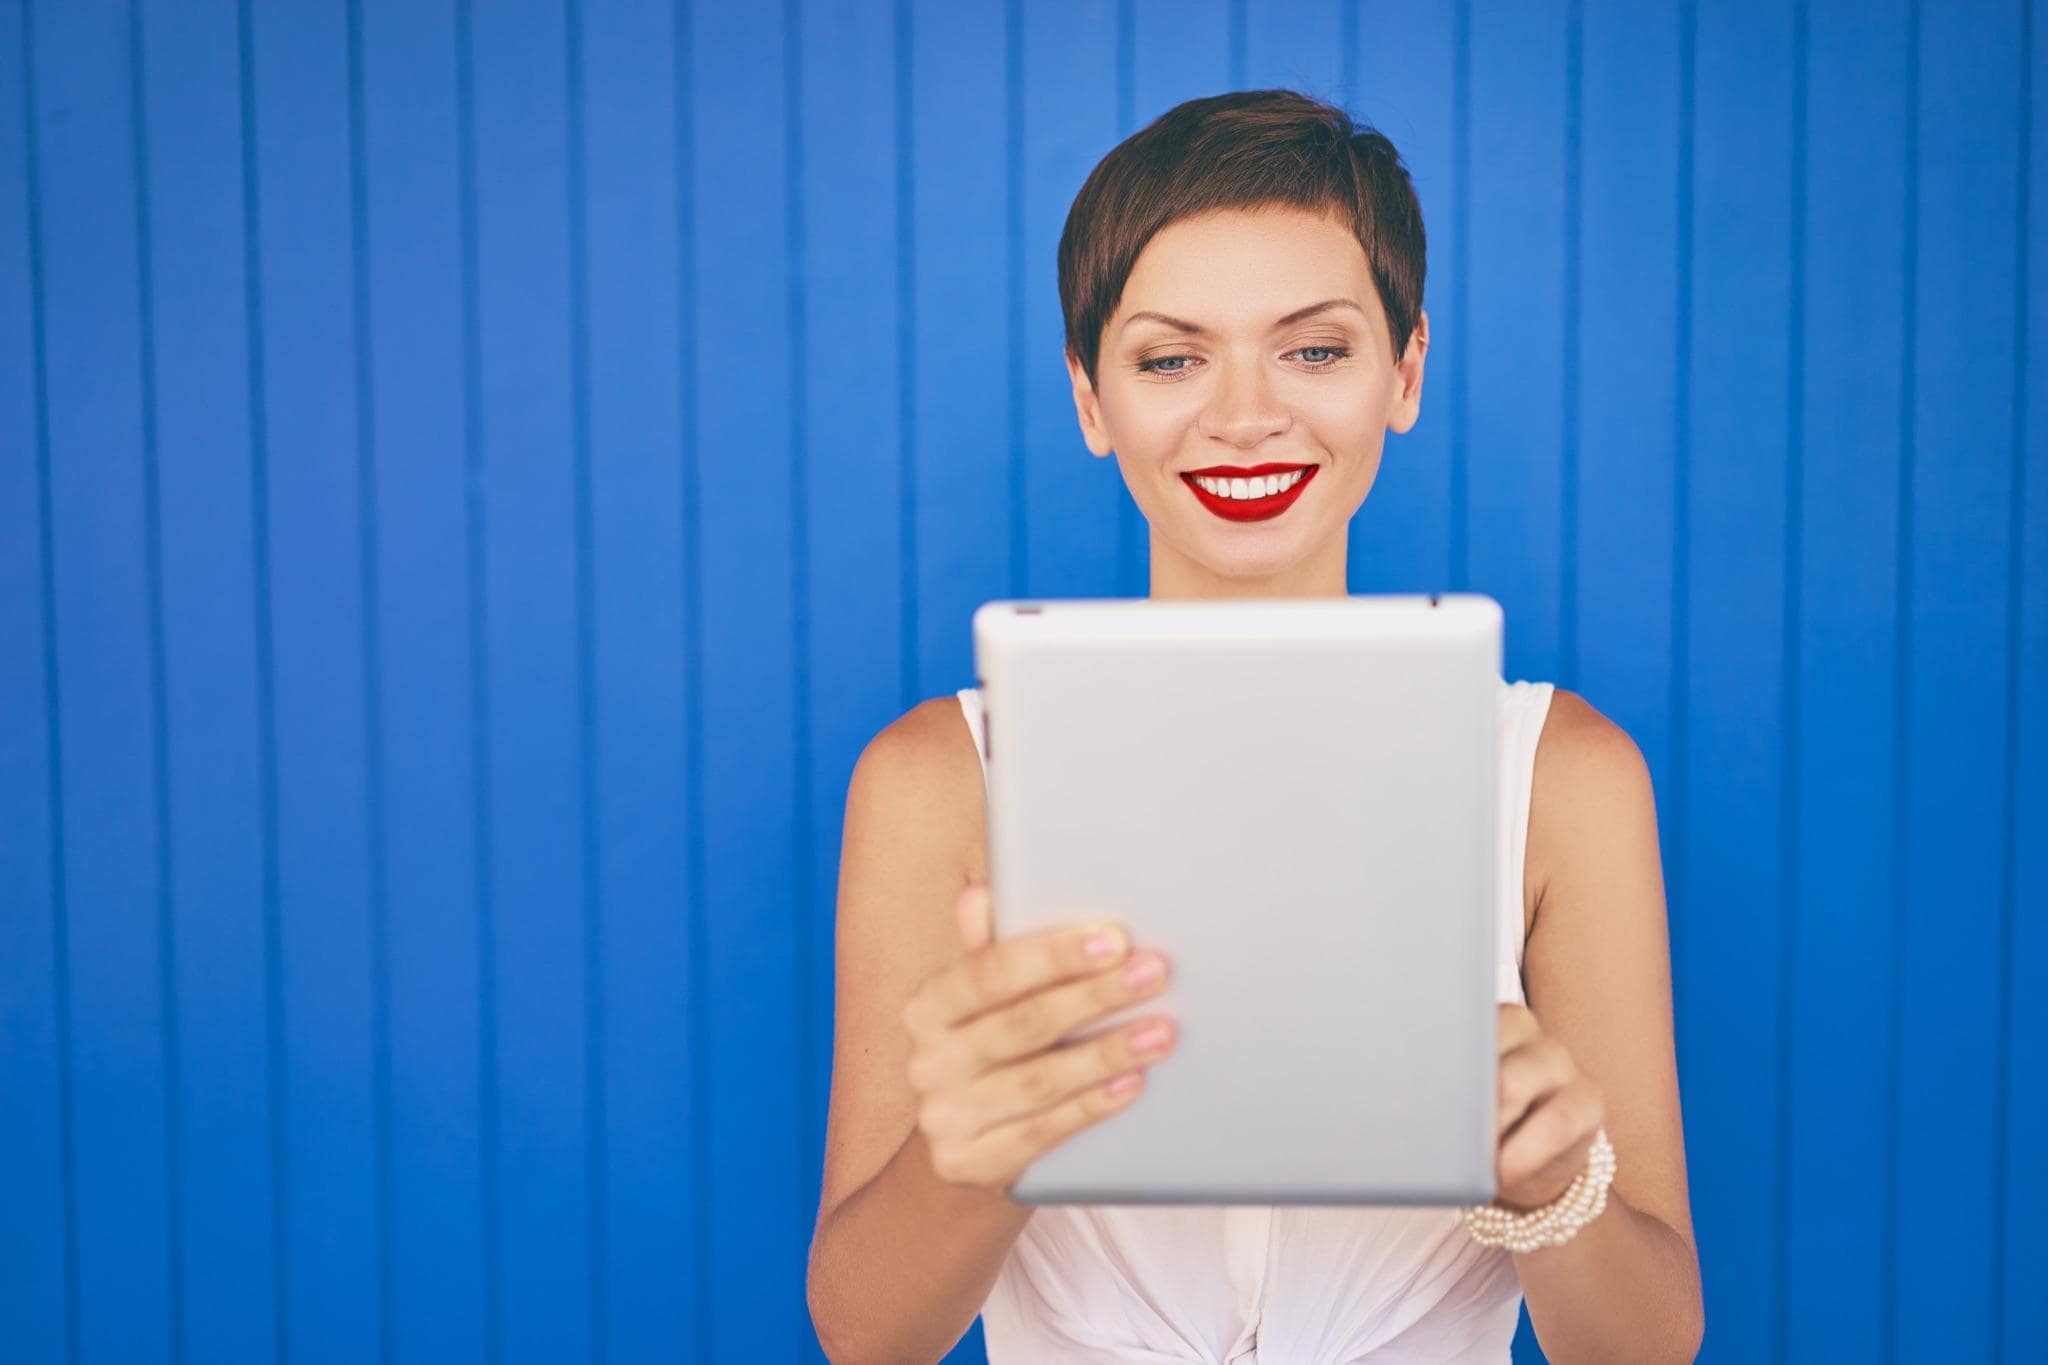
473	475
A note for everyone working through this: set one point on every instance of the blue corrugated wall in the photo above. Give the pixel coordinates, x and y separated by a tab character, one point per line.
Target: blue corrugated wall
474	473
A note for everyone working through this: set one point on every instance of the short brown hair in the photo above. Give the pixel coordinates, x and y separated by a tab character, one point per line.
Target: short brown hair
1244	149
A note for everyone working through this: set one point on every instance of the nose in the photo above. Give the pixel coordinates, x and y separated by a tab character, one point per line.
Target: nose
1243	410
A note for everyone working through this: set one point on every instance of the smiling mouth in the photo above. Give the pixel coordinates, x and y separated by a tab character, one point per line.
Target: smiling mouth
1255	494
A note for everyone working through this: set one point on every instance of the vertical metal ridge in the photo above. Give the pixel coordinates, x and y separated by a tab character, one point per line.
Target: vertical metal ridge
1574	283
694	909
906	342
813	1067
266	681
488	1135
2008	907
1459	568
1239	41
1902	676
1681	494
1126	73
60	938
1347	58
596	1194
1013	247
1789	677
159	718
385	1210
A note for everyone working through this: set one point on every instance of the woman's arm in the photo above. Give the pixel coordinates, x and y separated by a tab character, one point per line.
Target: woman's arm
1597	969
901	1261
901	1266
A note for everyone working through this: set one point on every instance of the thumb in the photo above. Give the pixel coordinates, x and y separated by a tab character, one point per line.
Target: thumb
974	912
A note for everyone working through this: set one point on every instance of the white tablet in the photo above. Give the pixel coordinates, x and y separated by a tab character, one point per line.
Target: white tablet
1294	800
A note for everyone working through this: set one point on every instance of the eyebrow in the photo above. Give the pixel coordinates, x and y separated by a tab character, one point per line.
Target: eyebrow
1195	329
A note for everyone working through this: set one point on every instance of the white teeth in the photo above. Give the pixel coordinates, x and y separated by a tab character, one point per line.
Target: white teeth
1263	487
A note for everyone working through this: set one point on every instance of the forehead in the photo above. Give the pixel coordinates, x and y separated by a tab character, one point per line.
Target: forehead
1247	266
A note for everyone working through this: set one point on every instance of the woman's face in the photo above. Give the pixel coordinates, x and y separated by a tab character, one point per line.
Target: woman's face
1247	338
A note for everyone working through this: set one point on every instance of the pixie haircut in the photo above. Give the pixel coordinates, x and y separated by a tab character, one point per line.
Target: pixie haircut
1244	149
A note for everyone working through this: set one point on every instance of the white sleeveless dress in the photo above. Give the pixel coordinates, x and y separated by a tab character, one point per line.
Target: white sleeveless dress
1310	1285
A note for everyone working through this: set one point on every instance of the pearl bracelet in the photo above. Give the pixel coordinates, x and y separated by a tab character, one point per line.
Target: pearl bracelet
1556	1222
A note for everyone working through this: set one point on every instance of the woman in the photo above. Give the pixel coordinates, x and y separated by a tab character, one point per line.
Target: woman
1242	286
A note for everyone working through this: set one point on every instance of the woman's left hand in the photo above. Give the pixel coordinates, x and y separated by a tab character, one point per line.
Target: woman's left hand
1548	1113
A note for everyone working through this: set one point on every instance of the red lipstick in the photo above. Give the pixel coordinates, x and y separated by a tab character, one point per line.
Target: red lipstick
1248	509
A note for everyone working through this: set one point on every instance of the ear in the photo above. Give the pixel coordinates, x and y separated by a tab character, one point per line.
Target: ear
1408	400
1087	407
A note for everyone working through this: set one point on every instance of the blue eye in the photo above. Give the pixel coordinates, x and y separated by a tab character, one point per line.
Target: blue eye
1182	364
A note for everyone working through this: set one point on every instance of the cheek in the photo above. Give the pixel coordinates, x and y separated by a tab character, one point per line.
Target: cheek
1348	421
1147	427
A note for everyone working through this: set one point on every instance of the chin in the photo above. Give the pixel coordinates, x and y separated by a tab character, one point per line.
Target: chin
1277	555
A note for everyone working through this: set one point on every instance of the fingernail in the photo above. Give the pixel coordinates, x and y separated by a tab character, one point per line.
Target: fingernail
1103	943
1150	1038
1144	971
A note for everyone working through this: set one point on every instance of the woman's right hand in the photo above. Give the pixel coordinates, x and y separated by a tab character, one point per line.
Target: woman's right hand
994	1092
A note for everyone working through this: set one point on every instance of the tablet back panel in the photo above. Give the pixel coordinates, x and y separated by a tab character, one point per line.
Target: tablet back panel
1294	800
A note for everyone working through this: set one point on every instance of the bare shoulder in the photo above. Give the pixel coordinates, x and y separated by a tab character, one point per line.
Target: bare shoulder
922	768
1589	778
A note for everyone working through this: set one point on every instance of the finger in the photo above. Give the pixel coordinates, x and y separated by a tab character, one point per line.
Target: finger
1009	1092
1038	1019
1033	1022
1547	1184
974	912
1517	1025
1550	1148
1009	968
1529	1073
1010	1147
